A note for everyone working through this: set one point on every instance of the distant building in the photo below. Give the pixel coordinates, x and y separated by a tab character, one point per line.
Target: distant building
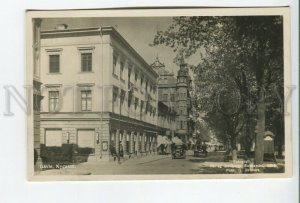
100	96
166	94
175	93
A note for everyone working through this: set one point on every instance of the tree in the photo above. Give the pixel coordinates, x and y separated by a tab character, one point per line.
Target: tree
239	54
262	38
204	133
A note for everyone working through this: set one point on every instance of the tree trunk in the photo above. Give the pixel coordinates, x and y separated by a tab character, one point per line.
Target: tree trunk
279	148
280	138
248	145
233	147
259	140
248	135
234	154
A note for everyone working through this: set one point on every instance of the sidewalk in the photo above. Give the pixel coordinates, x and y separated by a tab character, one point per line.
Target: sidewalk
145	159
87	168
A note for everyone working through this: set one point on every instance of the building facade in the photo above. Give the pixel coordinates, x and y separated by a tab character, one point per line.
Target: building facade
184	119
99	95
175	93
36	91
166	95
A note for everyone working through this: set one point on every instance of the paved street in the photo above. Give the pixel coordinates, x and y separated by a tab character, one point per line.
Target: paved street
153	164
214	163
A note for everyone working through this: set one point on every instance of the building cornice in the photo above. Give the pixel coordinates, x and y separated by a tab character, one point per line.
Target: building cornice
104	30
94	116
119	38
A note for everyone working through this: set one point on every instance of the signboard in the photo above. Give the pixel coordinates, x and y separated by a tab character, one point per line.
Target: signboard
53	138
86	139
104	145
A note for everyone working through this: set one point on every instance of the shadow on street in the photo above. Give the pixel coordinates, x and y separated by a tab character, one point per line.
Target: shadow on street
212	157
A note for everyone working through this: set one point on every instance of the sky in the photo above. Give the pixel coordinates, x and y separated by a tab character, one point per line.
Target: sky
138	31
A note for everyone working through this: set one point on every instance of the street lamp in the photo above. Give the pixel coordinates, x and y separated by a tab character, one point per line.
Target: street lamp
68	137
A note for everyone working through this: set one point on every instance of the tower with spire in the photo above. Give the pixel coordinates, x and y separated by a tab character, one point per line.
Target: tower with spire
183	102
174	92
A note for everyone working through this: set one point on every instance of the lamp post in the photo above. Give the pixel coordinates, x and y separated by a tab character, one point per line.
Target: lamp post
68	137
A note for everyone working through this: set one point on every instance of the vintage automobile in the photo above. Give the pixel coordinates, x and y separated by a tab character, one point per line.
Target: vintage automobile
178	151
200	151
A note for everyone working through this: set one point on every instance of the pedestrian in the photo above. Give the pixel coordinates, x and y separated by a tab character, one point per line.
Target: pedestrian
121	150
162	148
113	151
172	147
189	144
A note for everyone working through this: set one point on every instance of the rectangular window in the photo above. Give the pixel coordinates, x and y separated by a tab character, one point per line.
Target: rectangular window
53	138
53	100
165	97
130	98
115	96
172	97
122	70
114	64
54	63
86	100
146	87
151	110
129	74
154	111
122	97
147	107
141	109
86	141
136	103
86	62
142	80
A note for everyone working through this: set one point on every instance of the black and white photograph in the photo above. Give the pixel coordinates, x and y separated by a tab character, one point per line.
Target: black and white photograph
159	94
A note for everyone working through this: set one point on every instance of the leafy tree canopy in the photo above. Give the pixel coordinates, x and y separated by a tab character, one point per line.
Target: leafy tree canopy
240	60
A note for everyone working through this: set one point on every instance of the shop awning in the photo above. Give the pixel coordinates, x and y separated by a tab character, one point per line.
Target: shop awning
176	140
162	140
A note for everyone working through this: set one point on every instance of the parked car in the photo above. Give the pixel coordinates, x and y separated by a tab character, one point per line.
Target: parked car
200	150
178	151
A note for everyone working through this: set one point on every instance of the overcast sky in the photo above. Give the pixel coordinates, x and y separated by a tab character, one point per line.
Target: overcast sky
139	32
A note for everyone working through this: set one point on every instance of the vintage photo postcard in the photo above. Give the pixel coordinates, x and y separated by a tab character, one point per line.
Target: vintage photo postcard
159	94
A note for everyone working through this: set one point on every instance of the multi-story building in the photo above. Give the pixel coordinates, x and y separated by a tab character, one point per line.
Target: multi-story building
36	91
166	120
100	96
185	123
175	93
166	94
